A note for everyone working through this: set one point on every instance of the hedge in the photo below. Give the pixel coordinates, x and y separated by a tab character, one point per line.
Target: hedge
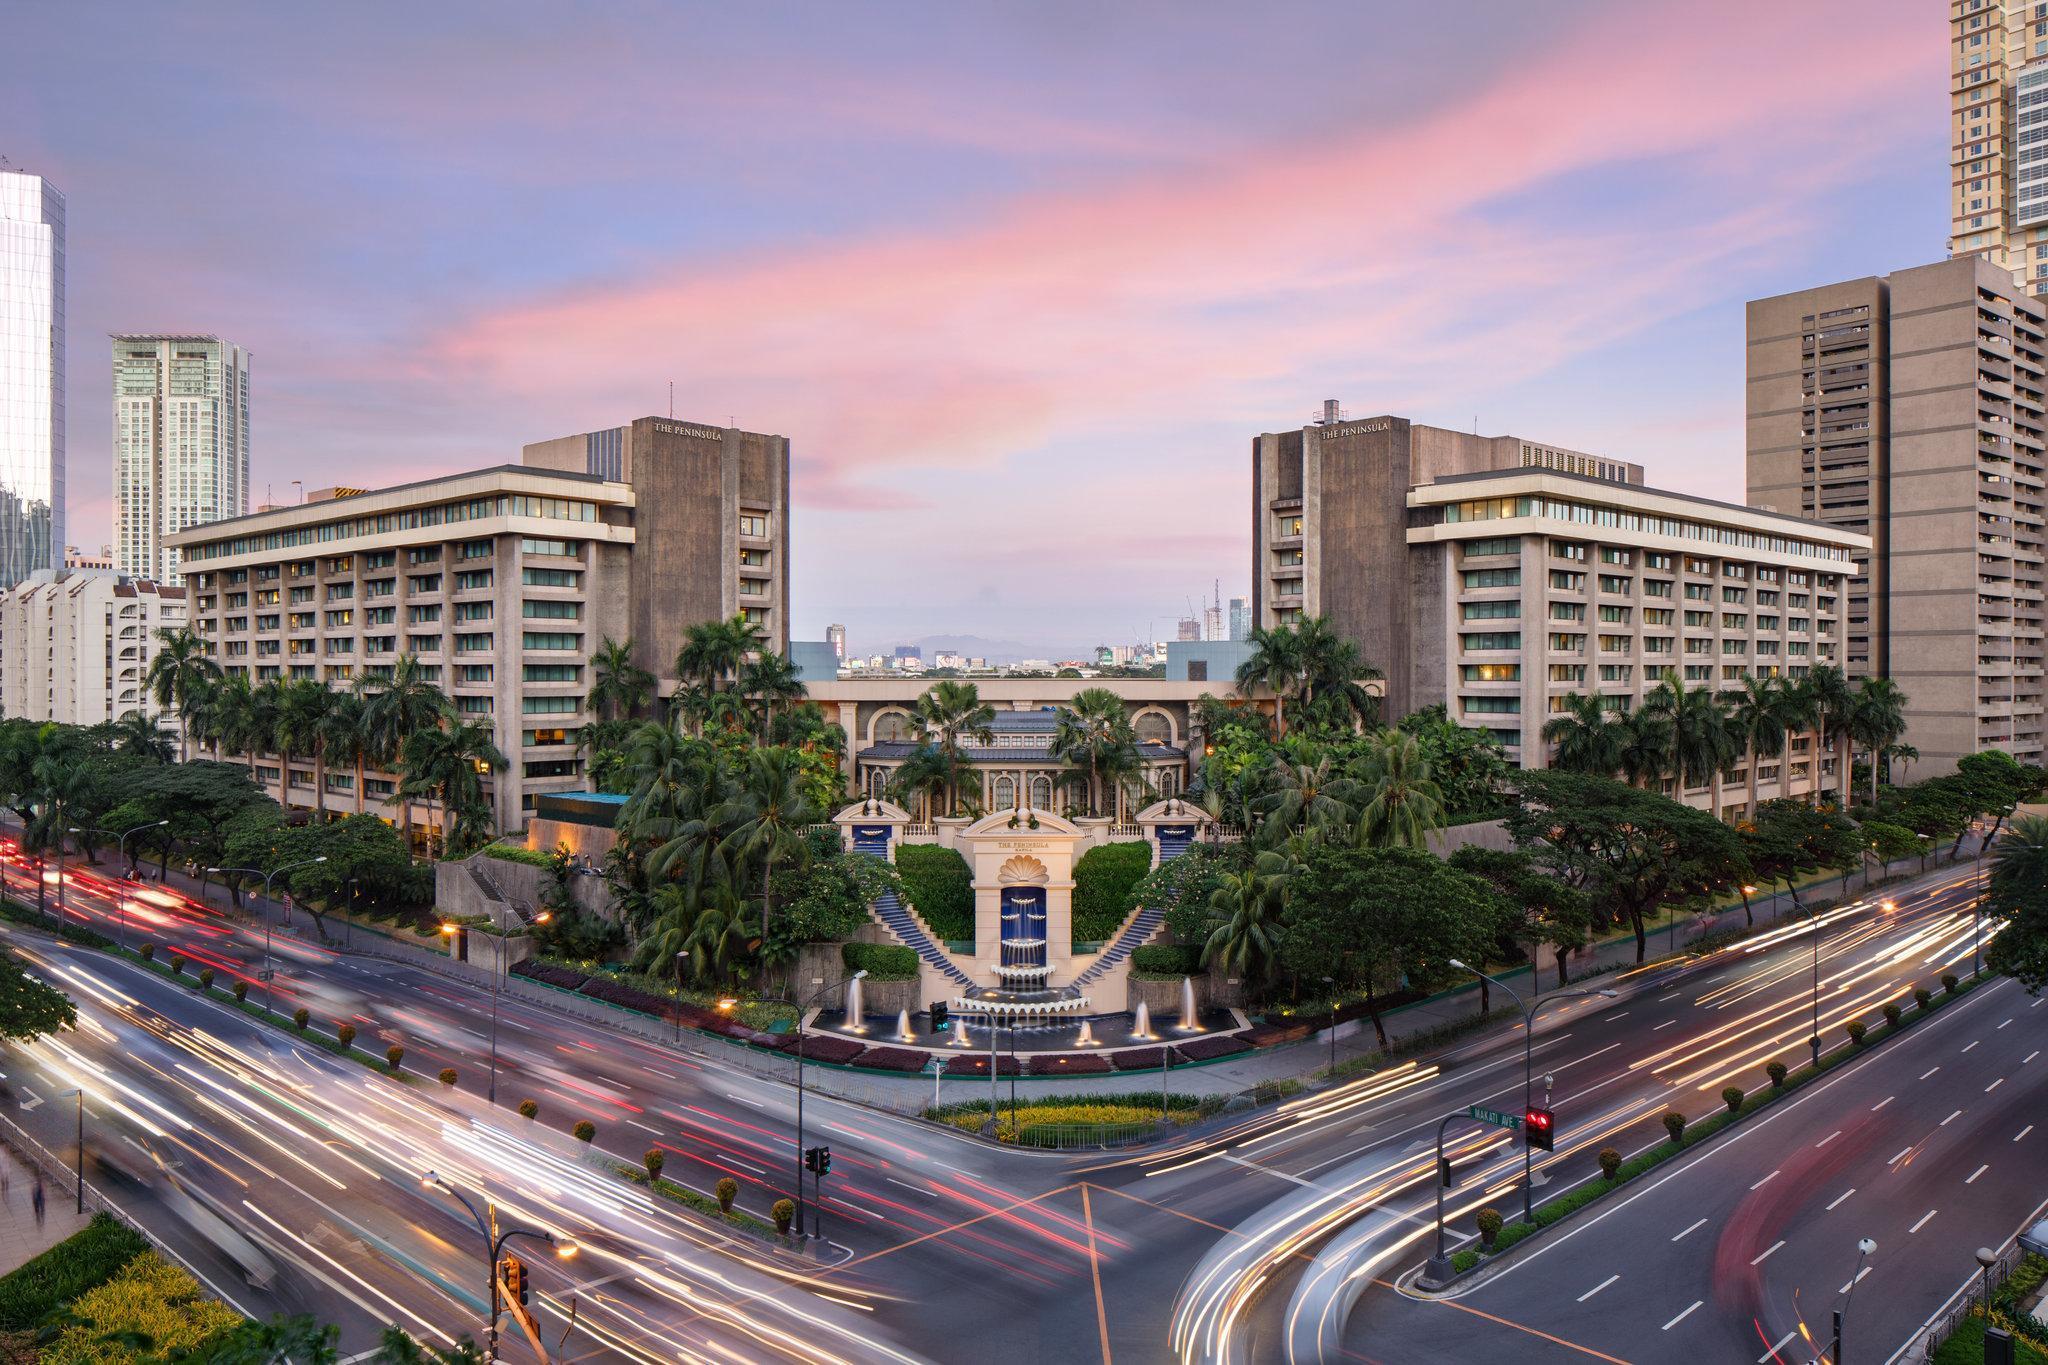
1103	878
691	1199
1167	959
882	961
148	1300
940	886
891	1059
83	1261
518	853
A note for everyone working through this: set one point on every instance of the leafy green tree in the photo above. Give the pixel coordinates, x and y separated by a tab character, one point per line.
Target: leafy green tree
2018	894
394	710
28	1007
1789	839
1334	696
1305	794
1889	842
1543	909
1467	764
1995	782
1645	747
137	735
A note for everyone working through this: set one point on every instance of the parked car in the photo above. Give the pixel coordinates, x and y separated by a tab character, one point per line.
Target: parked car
2035	1238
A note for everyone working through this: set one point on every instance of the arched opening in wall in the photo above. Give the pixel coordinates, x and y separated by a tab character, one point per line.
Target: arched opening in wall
1169	783
878	782
1153	726
1041	792
894	726
1005	793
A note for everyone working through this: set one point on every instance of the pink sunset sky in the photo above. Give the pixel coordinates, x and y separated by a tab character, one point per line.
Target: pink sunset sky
1019	281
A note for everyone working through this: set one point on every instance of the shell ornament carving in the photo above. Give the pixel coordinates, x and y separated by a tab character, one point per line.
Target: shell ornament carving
1022	868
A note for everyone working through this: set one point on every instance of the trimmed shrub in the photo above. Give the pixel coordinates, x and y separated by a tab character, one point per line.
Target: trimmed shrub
881	961
1924	998
1856	1028
393	1055
1892	1013
1949	982
940	886
345	1034
177	965
528	1108
727	1190
149	952
892	1059
824	1047
584	1131
1610	1163
784	1212
653	1160
241	989
1103	879
447	1075
206	978
83	1261
1213	1045
300	1018
1776	1071
149	1300
1167	959
1064	1064
1732	1097
1489	1221
1138	1058
1674	1124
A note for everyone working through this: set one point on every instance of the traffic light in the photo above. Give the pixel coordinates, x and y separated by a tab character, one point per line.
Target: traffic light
818	1160
1445	1175
515	1280
1539	1129
938	1016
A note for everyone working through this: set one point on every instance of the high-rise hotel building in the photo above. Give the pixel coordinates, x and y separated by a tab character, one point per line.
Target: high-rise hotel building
31	376
1998	120
501	582
1497	576
1911	406
181	444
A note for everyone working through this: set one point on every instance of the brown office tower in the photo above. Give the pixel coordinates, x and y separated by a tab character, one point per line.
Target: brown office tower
716	502
1909	406
1330	521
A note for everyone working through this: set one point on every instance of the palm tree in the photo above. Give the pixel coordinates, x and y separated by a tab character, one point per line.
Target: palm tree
951	711
1245	919
713	651
927	773
2019	862
1307	795
447	765
770	679
1645	747
138	734
1333	675
1703	743
1758	710
618	686
395	709
1876	721
180	673
345	737
1094	731
1834	710
767	815
300	726
1801	717
1402	802
255	726
1587	736
1275	664
228	715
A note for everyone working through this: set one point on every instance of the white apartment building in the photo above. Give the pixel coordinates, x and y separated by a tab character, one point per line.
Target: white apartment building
31	376
76	645
181	443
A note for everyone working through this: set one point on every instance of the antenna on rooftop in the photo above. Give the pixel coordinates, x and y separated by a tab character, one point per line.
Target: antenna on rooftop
671	399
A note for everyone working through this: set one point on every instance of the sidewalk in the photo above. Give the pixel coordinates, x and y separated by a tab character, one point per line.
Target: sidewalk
22	1238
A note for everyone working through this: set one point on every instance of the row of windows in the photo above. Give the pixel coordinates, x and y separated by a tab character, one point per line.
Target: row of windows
1555	509
448	513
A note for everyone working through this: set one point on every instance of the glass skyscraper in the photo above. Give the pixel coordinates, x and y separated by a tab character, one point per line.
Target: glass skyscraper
31	376
181	444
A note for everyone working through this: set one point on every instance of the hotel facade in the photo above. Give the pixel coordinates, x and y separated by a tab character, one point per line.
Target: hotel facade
76	645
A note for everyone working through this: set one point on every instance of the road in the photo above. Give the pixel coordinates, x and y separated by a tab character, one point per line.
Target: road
1222	1246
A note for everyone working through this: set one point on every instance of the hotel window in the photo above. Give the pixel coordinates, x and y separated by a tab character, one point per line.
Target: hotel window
475	580
754	616
1735	646
1699	646
1735	596
553	767
1492	639
551	578
553	673
473	549
1656	587
466	644
300	595
1699	672
1615	616
1563	581
1567	611
1616	644
1766	623
1561	643
1490	672
1617	584
382	559
536	738
1611	555
301	620
473	611
558	611
337	620
1617	673
753	559
1705	566
559	548
1653	560
1488	611
1657	644
753	587
475	673
1698	592
1287	559
267	622
753	524
550	706
1493	578
340	592
423	583
430	554
1567	549
1496	545
1567	673
473	706
537	639
1492	706
1657	616
416	616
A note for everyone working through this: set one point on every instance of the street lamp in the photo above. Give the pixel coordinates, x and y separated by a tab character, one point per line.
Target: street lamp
1986	1259
1331	982
1814	1041
802	1010
78	1170
493	1245
1864	1248
1529	1069
503	959
268	877
122	935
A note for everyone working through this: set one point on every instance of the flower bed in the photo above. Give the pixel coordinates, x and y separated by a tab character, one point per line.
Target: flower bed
1069	1064
976	1064
563	978
893	1059
1214	1045
1140	1058
824	1047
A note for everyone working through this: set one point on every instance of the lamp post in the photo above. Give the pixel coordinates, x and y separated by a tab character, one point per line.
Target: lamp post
677	1017
1863	1250
1814	1041
268	878
494	1243
1331	982
78	1167
1529	1069
802	1010
503	955
122	933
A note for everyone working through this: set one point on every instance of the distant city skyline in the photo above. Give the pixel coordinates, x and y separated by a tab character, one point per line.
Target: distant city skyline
967	215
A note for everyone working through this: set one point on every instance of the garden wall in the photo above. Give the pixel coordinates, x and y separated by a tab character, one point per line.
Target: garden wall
1479	834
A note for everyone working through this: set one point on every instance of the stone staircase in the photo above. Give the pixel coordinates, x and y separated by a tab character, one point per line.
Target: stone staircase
1142	926
909	930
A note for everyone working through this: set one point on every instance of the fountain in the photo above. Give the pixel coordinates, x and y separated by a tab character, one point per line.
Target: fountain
1022	996
1086	1038
854	1009
1141	1027
1190	1022
903	1033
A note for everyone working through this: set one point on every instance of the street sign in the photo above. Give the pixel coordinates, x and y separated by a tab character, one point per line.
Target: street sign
1511	1122
266	974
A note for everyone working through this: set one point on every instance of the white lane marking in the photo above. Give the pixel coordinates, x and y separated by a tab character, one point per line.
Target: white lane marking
1925	1074
1765	1254
644	1127
1903	1151
1765	1181
1624	1015
1972	1179
1776	1347
2001	1025
2031	1055
1826	1140
1973	1045
1882	1103
1994	1085
1858	1280
1683	1316
912	1188
1268	1170
1694	1228
1923	1221
1945	1122
1666	1024
1839	1198
2023	1132
1598	1287
744	1100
